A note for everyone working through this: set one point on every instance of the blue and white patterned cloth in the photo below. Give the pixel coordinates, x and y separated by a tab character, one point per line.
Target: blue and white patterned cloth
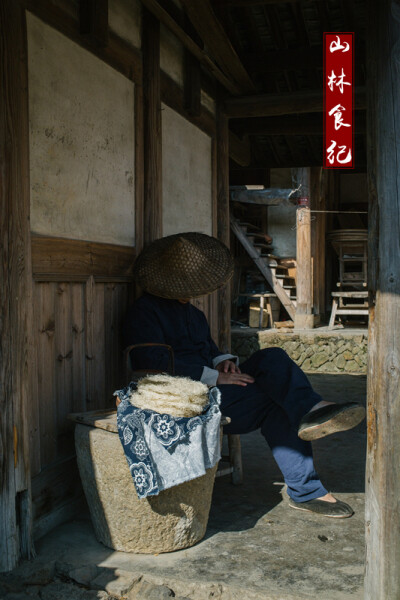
163	451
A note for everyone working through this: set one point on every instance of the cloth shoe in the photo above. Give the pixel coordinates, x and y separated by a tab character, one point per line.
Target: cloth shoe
329	419
336	510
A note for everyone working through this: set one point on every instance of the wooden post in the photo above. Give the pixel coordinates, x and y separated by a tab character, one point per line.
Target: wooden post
382	579
152	129
16	347
318	239
304	319
223	226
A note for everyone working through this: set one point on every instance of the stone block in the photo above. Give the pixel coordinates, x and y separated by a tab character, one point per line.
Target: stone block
348	355
306	366
319	359
84	575
340	361
151	591
176	518
351	366
116	582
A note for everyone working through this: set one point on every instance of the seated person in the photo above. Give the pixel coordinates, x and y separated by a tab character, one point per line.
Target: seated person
269	392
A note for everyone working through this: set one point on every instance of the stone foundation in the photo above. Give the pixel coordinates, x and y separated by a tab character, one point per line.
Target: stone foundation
315	351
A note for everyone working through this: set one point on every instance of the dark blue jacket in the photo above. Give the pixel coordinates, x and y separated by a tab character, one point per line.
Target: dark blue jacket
182	326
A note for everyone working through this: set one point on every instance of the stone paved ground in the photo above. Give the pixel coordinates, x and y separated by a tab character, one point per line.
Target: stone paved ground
256	547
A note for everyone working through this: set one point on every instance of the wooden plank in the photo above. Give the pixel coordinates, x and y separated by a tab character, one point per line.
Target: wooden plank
78	400
63	366
304	318
164	17
118	54
214	37
139	171
93	20
57	495
62	257
45	310
98	364
264	105
16	284
34	404
223	232
90	344
152	128
382	579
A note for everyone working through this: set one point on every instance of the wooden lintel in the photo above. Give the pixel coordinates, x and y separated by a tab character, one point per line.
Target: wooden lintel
239	149
265	197
173	95
264	105
293	125
214	37
76	258
165	18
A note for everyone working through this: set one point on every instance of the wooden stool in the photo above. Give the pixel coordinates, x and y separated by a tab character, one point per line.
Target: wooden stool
339	307
265	302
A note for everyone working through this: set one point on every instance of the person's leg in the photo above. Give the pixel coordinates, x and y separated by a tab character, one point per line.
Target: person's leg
278	376
250	409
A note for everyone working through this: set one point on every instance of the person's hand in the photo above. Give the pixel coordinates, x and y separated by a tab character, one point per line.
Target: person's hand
234	379
227	366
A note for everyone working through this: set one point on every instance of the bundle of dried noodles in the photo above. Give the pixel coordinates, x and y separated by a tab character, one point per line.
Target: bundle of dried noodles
176	396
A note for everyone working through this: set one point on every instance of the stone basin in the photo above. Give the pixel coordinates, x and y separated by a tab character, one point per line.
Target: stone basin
175	519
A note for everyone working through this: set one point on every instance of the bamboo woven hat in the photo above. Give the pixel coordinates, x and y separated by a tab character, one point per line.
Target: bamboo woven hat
184	265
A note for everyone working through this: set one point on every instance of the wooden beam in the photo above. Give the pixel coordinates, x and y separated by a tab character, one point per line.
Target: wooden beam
173	95
93	20
382	575
265	105
164	17
223	228
214	37
152	129
139	170
16	318
290	125
60	257
304	319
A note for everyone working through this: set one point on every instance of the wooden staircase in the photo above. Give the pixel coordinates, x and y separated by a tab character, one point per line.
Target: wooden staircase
279	275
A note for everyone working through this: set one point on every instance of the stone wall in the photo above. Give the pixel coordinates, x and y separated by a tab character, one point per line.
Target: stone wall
314	351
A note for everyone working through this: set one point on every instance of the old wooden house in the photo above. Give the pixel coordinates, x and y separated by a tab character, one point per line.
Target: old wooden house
126	120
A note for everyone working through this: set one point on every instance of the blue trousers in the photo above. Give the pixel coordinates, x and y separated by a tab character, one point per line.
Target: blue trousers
275	403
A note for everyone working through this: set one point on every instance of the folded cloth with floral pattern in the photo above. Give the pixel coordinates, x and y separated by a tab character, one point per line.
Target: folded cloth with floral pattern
163	451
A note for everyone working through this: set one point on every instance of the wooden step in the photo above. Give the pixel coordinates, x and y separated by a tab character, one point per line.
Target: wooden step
289	287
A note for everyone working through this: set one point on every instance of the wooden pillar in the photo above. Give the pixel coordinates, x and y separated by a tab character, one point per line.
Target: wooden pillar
304	319
382	579
223	226
152	220
16	348
318	239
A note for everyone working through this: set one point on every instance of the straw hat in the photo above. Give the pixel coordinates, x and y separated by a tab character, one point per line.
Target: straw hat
184	265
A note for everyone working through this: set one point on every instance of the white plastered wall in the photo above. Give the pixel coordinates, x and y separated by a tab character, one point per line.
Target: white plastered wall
81	114
187	176
282	219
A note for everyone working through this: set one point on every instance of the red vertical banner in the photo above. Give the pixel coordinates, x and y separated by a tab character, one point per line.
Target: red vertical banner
338	100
